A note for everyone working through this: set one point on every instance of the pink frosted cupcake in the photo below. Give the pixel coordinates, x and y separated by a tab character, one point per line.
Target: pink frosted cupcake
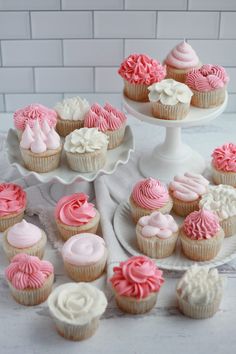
140	71
208	85
30	279
12	205
224	164
136	283
74	215
149	195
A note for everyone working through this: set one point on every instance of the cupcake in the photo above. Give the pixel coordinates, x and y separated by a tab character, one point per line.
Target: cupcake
12	205
86	149
108	120
208	85
40	148
138	72
76	309
84	257
136	283
186	192
170	99
224	164
30	279
201	235
26	238
221	200
149	195
199	292
157	235
180	61
70	114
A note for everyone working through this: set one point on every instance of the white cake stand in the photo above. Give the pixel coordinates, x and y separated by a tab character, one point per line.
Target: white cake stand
172	157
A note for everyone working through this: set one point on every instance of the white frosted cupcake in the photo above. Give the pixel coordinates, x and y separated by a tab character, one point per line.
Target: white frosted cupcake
76	309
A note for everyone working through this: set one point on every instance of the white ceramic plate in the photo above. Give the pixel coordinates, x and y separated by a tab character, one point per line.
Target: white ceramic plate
125	232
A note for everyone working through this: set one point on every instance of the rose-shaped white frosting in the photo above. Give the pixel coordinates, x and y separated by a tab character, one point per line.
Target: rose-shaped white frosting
73	108
77	303
85	140
157	224
169	92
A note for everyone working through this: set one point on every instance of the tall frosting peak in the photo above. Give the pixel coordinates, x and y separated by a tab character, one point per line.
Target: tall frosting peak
202	224
183	56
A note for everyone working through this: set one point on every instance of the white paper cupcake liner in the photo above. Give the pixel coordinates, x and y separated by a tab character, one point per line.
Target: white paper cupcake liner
136	92
229	226
183	208
43	162
65	127
87	162
10	220
136	306
115	137
176	112
221	177
208	99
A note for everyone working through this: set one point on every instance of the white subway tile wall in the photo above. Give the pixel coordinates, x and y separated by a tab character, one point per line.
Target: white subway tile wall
52	49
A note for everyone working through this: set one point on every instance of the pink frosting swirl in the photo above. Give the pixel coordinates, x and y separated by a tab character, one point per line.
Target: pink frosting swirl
28	272
182	57
110	109
137	277
202	224
141	69
12	199
150	194
74	210
224	157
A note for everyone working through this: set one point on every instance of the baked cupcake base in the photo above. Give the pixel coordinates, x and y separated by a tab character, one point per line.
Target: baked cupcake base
136	306
42	162
66	126
115	137
88	161
10	220
178	74
136	92
183	208
221	177
177	112
208	99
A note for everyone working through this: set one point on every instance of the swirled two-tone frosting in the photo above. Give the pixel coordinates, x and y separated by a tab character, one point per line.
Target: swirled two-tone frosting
77	303
73	108
224	158
12	199
188	187
137	277
110	109
23	235
28	272
141	69
202	224
207	78
182	57
85	140
158	225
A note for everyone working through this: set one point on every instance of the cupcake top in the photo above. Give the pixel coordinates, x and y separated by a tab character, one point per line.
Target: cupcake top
34	112
202	224
169	92
224	158
77	303
188	187
28	272
150	193
23	235
74	210
85	140
182	57
12	199
157	225
137	277
141	69
201	285
83	249
220	199
208	78
73	108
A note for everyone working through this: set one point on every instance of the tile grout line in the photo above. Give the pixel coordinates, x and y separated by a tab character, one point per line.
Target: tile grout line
3	94
156	27
30	24
219	28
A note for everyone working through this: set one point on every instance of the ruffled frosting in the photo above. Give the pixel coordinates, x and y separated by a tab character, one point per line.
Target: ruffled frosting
182	57
28	272
141	69
12	199
73	108
158	225
224	158
202	224
23	235
169	92
137	277
207	78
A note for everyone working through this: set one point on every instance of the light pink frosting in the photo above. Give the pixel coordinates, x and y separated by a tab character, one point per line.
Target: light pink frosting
110	109
182	57
224	157
207	78
150	194
74	210
188	187
158	225
12	199
23	235
137	277
141	69
83	249
28	272
202	224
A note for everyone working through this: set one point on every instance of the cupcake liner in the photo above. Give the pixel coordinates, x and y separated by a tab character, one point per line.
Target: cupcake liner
183	208
10	220
136	92
65	126
178	74
87	162
208	99
115	137
43	162
222	177
177	112
136	306
229	226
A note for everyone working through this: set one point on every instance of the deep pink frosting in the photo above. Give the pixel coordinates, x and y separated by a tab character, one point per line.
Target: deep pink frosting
207	78
74	210
150	194
182	57
137	277
28	272
141	69
224	157
12	199
202	224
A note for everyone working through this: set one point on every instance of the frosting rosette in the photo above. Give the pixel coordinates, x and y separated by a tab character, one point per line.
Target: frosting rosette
224	157
202	224
85	140
23	235
182	57
158	225
12	199
73	108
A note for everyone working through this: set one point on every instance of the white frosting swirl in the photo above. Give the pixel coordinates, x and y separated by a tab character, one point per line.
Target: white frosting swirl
157	224
73	108
85	140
